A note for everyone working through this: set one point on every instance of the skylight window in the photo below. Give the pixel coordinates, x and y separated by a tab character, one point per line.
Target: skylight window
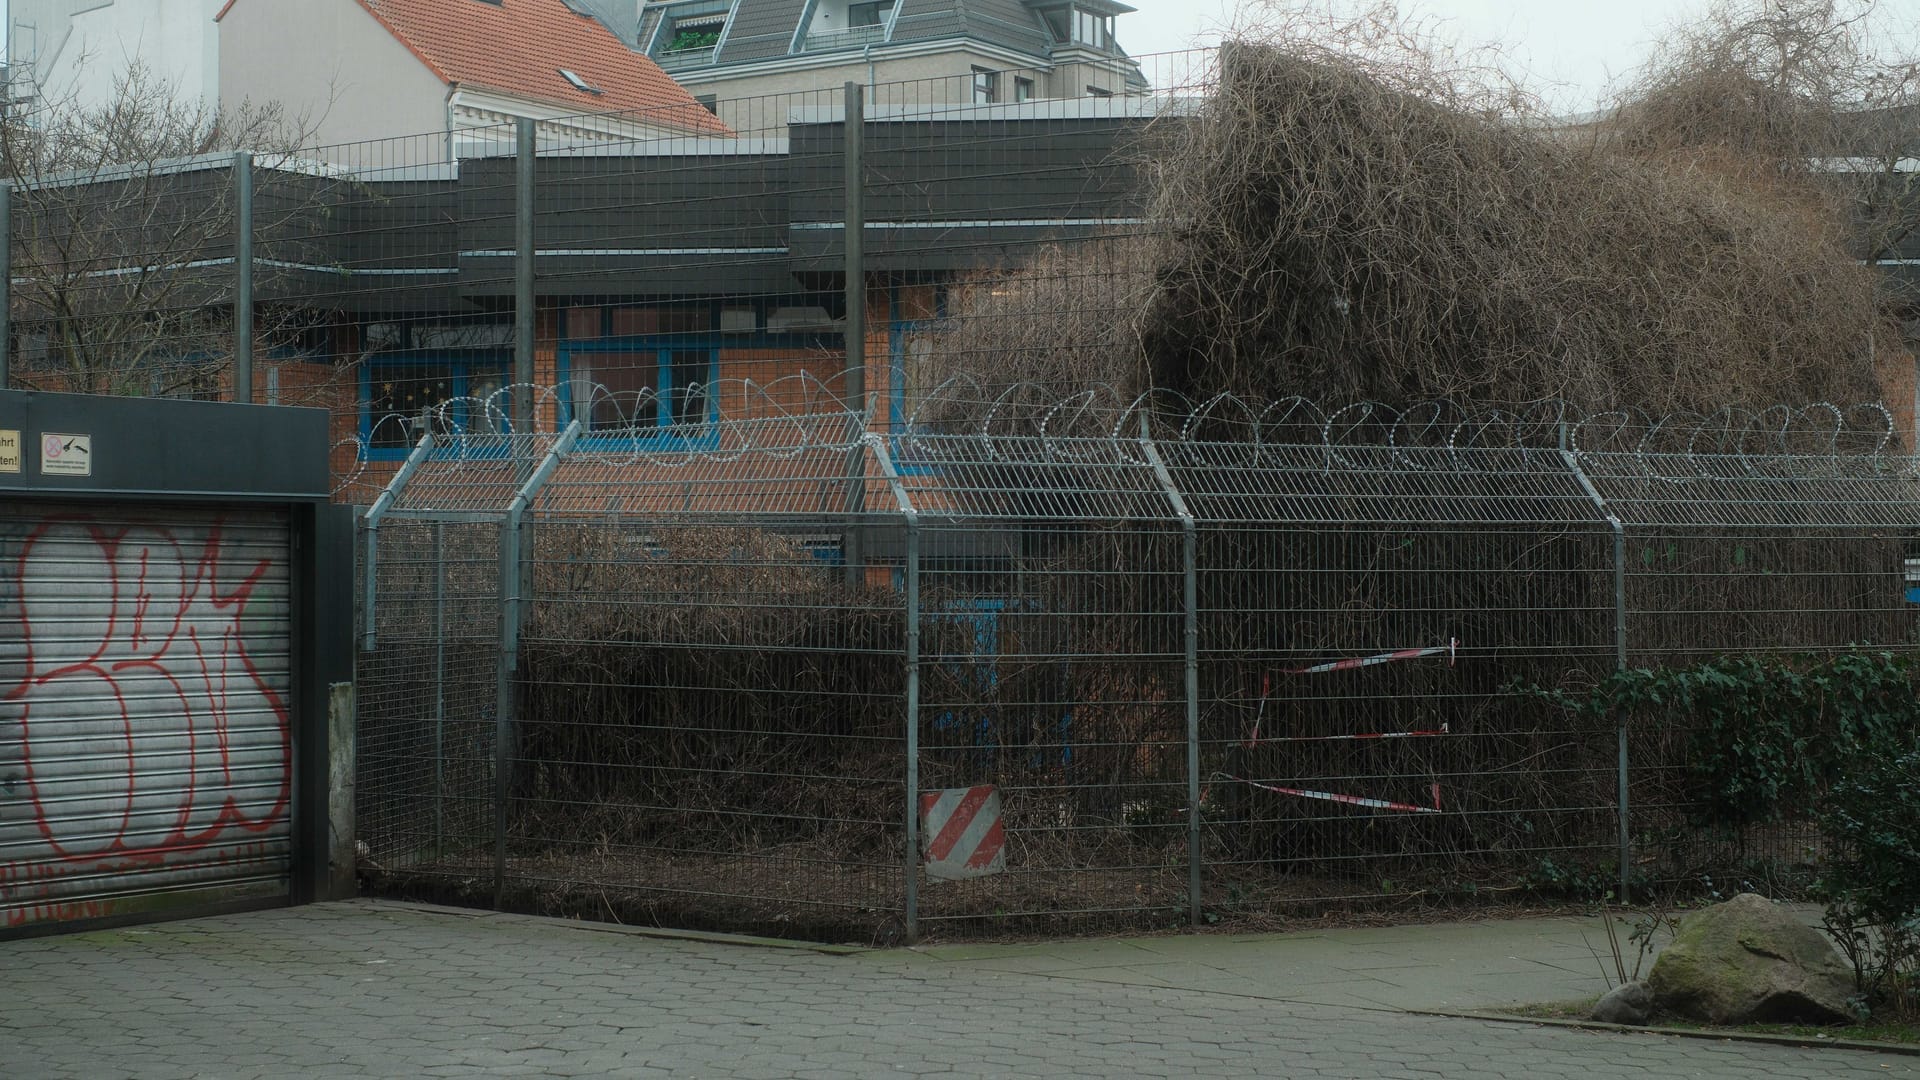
578	82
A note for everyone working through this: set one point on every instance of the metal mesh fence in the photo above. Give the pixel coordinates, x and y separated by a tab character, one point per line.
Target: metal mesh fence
764	684
428	699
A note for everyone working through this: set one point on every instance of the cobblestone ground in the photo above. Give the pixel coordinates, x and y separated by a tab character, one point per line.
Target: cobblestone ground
363	990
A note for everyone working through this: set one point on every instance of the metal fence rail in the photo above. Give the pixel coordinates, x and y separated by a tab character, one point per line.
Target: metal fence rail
1201	677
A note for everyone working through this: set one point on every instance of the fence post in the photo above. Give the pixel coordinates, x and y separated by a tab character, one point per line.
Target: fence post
854	231
6	283
243	277
375	514
1619	530
511	559
856	241
439	684
910	771
526	146
1190	606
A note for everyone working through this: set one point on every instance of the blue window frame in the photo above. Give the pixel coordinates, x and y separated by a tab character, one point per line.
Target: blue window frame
909	344
641	391
978	669
395	388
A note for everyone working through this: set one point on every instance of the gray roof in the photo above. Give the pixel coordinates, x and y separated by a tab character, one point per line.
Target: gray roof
767	29
620	16
1010	24
761	30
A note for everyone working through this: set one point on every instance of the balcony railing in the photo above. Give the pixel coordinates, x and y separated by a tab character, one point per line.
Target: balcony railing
677	59
852	37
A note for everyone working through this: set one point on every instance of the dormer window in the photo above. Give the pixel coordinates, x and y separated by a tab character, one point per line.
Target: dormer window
702	32
870	14
1081	24
1091	29
689	33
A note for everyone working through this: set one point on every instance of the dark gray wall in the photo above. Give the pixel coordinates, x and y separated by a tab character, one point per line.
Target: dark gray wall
172	448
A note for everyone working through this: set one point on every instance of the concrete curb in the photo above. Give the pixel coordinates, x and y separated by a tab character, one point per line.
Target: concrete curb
1798	1041
701	936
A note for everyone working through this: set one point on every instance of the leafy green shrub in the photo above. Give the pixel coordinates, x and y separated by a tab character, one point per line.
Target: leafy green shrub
1872	821
1766	737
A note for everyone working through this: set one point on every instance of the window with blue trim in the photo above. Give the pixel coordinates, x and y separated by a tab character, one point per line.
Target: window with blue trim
910	335
396	389
643	389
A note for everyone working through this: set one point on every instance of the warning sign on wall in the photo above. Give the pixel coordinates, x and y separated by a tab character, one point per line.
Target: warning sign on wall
9	450
66	455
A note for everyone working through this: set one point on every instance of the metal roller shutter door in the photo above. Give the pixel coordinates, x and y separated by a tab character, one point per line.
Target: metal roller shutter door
145	753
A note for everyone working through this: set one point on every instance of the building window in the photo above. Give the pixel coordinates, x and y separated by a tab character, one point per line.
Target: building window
690	35
870	14
914	316
1098	91
457	392
986	86
1022	89
640	390
1091	29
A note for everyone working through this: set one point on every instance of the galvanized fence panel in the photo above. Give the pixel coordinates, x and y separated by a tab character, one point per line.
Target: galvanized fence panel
1074	668
427	704
756	518
1366	611
1052	671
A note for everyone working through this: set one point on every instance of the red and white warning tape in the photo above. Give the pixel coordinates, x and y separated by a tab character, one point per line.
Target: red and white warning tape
1349	800
1451	649
1445	729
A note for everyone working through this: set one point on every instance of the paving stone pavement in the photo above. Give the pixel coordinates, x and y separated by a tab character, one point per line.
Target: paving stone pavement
370	989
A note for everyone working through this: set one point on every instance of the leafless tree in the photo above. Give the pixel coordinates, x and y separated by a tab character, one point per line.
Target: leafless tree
123	238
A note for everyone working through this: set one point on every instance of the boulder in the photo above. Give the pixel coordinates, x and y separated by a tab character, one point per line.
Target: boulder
1628	1003
1750	961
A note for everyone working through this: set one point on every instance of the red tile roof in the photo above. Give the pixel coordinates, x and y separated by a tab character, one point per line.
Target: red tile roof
518	48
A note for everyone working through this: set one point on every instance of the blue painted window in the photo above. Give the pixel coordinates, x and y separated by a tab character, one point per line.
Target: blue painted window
910	373
396	388
640	391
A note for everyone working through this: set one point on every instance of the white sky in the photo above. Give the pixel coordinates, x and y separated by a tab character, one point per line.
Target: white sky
1571	48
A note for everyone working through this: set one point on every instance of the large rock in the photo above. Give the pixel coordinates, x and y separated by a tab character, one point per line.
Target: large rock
1628	1003
1749	961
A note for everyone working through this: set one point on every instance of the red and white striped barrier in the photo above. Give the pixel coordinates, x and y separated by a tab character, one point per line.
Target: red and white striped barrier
960	833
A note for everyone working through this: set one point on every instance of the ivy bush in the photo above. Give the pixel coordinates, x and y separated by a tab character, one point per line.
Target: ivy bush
1767	736
1872	820
1840	737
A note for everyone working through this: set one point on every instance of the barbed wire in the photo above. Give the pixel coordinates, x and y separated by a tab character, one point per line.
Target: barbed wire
961	420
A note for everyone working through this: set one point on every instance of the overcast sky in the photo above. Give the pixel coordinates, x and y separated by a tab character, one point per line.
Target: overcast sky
1575	45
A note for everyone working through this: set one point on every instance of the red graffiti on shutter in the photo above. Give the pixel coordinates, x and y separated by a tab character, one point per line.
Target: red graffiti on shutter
163	650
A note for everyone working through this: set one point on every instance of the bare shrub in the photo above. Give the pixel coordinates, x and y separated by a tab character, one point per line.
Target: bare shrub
1359	212
707	688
